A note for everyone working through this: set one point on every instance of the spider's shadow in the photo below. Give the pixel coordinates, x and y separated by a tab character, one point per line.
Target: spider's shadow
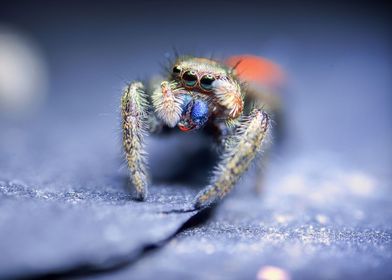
183	159
188	161
194	170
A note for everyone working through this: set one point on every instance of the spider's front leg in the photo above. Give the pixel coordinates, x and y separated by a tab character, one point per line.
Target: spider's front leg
241	149
134	111
138	120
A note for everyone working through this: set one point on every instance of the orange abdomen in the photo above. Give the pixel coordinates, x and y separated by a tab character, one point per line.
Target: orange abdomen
255	69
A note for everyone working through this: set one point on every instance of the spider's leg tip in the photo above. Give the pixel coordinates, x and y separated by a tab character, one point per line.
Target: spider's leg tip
200	203
140	196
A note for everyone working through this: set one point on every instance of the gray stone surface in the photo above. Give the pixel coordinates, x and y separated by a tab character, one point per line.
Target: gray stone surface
318	219
64	204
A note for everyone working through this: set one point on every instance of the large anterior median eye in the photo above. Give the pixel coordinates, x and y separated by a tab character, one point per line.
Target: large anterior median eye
206	82
190	78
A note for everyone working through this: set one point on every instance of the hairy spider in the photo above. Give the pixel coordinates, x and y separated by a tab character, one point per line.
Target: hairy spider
202	93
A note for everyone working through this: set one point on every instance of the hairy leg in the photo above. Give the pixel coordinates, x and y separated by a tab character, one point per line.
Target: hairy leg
134	113
239	152
271	103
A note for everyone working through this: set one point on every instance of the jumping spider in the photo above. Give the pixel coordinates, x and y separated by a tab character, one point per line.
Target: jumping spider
199	93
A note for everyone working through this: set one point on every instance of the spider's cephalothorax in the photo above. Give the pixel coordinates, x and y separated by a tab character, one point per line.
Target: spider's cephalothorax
199	91
203	83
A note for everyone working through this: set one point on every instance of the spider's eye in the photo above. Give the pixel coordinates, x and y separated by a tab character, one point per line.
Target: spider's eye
189	78
206	82
176	70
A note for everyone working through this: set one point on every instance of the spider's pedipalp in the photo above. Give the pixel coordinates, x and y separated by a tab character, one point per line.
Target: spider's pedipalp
167	103
241	149
134	111
228	94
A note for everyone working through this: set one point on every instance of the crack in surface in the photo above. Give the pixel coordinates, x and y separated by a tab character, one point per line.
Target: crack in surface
119	262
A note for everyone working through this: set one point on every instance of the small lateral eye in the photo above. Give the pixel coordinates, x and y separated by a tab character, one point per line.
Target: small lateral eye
206	82
190	78
176	70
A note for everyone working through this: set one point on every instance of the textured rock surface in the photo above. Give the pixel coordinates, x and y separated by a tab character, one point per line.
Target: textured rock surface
63	204
314	222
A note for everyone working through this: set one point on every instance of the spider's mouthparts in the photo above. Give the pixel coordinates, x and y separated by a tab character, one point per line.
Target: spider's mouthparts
194	115
185	128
